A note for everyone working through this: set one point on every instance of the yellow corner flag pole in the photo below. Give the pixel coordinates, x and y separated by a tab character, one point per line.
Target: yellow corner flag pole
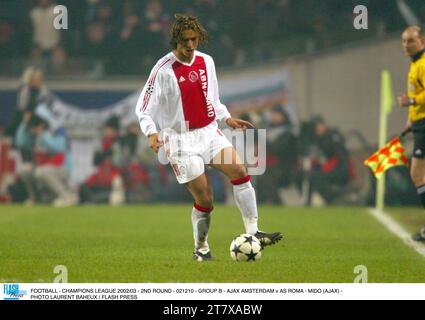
387	102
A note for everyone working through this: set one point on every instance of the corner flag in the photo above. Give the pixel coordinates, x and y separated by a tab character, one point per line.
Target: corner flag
387	96
390	155
387	101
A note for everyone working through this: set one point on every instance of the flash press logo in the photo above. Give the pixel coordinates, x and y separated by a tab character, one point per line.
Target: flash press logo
12	292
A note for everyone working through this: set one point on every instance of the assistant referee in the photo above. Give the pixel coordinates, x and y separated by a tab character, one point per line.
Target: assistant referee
414	47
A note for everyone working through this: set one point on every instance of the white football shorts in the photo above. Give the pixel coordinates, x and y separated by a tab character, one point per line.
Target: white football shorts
189	152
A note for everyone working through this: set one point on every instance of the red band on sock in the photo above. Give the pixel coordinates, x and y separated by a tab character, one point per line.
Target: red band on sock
202	209
239	181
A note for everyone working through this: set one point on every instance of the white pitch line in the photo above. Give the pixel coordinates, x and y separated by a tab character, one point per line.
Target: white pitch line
394	227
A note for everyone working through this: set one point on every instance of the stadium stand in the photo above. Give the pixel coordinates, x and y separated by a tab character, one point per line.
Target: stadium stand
124	37
121	39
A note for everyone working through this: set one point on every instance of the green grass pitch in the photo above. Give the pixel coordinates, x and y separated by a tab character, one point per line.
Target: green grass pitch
153	243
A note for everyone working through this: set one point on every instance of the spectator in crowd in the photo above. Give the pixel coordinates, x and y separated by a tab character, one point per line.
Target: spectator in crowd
105	14
9	44
31	93
33	90
45	36
95	49
105	185
281	156
110	134
7	167
130	34
95	46
127	155
51	163
24	142
156	26
131	14
263	22
90	9
131	42
330	168
59	63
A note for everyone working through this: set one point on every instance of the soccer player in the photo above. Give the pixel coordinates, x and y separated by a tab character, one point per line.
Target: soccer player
414	47
181	97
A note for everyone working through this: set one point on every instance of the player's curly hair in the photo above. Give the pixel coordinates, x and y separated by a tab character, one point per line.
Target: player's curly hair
186	22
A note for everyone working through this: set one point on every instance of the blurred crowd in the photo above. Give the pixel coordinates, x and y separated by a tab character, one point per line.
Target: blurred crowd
36	160
307	163
311	159
127	37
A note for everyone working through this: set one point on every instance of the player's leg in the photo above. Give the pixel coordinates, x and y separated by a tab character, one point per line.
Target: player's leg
201	215
228	162
189	168
243	191
417	172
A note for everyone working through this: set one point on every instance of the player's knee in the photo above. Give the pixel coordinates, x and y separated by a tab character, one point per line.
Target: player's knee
205	198
239	172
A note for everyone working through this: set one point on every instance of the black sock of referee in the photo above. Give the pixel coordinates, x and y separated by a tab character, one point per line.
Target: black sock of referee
421	194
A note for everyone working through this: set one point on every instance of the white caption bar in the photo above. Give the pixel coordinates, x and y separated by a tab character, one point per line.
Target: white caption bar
210	291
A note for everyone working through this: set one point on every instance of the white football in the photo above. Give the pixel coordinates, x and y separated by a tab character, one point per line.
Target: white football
245	247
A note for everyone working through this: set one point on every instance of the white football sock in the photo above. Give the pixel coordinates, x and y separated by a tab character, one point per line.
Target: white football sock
201	218
246	201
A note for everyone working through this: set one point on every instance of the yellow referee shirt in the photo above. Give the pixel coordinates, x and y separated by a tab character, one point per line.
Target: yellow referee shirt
416	86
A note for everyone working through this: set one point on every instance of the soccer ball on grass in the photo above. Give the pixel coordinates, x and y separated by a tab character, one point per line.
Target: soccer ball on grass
245	247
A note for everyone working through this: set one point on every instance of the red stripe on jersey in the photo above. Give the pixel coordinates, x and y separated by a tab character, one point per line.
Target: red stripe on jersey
193	82
150	85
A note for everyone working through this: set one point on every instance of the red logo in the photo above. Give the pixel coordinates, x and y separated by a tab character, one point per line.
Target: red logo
193	76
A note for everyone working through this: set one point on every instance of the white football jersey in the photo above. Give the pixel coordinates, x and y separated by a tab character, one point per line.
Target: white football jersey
180	95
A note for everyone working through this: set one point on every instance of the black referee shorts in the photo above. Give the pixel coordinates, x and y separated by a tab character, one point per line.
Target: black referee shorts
418	129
